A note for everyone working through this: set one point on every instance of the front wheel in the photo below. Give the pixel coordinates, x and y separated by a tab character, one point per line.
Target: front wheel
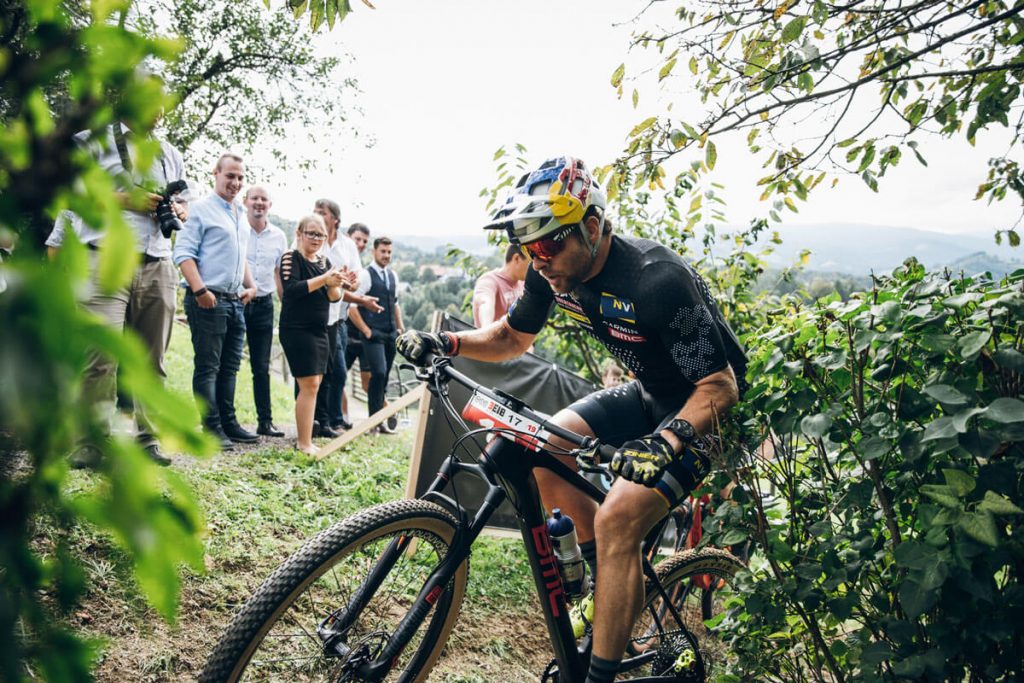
330	609
690	654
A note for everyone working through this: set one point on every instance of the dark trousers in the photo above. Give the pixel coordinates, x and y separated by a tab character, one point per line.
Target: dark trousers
353	348
337	376
218	337
259	332
379	354
320	414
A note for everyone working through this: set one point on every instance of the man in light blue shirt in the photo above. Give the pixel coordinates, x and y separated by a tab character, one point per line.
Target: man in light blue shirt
266	244
211	252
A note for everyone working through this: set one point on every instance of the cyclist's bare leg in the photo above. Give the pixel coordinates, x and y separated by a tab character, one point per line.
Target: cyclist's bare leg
625	517
556	492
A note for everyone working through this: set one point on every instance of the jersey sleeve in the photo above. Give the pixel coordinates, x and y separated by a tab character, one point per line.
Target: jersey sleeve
530	312
677	304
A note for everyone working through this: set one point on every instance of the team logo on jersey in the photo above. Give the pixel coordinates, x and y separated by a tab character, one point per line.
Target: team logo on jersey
619	309
624	333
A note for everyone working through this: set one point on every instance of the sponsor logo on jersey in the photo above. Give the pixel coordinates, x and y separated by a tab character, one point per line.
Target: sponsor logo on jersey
567	302
617	308
624	333
574	311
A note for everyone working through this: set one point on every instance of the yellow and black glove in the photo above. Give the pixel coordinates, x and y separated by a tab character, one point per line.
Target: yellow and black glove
644	460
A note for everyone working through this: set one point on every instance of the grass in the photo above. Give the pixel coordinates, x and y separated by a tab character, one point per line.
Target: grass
260	506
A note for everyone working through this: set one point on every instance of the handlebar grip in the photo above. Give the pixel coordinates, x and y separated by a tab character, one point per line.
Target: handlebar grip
606	451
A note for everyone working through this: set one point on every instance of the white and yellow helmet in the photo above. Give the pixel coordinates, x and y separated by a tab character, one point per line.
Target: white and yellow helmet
558	193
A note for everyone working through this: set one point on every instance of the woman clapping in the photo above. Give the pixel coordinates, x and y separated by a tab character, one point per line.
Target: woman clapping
308	284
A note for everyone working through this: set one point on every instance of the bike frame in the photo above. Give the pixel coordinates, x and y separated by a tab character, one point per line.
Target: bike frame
507	469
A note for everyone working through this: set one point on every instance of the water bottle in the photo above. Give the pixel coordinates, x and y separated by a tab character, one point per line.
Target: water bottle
567	550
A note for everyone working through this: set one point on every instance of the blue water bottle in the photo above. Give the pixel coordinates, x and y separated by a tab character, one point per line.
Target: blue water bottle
567	549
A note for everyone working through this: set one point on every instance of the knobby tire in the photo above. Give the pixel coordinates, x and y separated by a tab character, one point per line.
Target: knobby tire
271	639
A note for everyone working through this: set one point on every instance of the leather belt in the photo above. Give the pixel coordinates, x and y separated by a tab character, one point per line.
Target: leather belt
147	259
227	296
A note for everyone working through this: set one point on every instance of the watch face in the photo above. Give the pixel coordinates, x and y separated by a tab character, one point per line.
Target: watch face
682	429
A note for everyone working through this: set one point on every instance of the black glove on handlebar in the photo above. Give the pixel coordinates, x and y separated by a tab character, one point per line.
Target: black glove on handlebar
644	460
416	345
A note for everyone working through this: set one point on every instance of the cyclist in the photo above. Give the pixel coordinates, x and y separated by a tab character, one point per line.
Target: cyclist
655	314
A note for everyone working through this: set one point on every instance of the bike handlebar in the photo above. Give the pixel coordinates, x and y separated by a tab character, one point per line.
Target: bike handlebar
440	367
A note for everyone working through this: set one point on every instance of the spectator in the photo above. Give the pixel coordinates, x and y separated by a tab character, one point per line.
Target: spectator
379	330
146	304
211	252
611	374
342	251
309	283
497	289
266	245
360	234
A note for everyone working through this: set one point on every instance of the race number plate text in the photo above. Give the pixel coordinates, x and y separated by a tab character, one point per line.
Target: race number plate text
489	413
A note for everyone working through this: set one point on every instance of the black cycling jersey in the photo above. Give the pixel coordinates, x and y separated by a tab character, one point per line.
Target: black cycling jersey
650	309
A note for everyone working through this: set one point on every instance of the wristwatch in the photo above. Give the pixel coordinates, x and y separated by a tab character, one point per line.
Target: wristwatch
683	430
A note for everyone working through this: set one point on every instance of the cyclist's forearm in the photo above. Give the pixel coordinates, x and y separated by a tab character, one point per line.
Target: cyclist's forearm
710	400
495	342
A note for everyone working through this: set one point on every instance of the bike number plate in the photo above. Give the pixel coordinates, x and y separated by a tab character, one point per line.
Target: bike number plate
487	412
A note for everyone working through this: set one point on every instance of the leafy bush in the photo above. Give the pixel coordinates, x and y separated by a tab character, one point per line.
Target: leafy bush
889	516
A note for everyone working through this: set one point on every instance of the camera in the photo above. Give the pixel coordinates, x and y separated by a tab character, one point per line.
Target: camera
165	216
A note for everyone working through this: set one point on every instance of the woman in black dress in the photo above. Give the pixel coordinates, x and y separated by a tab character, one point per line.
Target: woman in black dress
308	284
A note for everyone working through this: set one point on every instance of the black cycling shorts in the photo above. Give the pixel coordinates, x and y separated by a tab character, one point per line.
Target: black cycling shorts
625	412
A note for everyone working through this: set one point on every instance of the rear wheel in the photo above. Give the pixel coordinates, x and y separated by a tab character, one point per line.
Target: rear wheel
303	624
687	655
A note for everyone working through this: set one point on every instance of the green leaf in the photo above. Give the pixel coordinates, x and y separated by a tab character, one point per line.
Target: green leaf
642	126
873	447
941	494
711	155
916	599
666	70
980	526
816	426
1009	359
971	344
118	256
618	74
1005	410
793	29
940	428
961	482
998	505
944	393
960	419
693	65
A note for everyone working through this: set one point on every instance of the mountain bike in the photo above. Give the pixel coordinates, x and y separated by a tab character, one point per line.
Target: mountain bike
375	596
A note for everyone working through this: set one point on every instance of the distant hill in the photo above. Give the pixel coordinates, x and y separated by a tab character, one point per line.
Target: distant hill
850	248
859	249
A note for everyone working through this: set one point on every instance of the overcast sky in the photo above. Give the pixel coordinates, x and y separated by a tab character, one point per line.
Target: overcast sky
446	83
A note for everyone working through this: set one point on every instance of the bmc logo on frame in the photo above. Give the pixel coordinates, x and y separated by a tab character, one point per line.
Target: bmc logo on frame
549	566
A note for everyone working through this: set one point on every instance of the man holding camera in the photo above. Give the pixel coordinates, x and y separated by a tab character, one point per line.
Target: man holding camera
146	305
211	252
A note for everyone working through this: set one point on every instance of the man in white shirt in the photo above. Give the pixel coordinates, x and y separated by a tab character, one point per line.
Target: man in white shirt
379	329
266	244
341	251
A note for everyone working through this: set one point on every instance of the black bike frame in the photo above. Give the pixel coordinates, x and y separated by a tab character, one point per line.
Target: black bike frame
507	468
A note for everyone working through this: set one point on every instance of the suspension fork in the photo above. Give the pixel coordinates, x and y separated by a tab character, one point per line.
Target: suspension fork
342	619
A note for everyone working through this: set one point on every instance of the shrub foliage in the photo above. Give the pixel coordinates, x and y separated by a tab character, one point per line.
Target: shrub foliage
889	515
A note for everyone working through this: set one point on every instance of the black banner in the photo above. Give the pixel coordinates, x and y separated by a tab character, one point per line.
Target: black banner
541	384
